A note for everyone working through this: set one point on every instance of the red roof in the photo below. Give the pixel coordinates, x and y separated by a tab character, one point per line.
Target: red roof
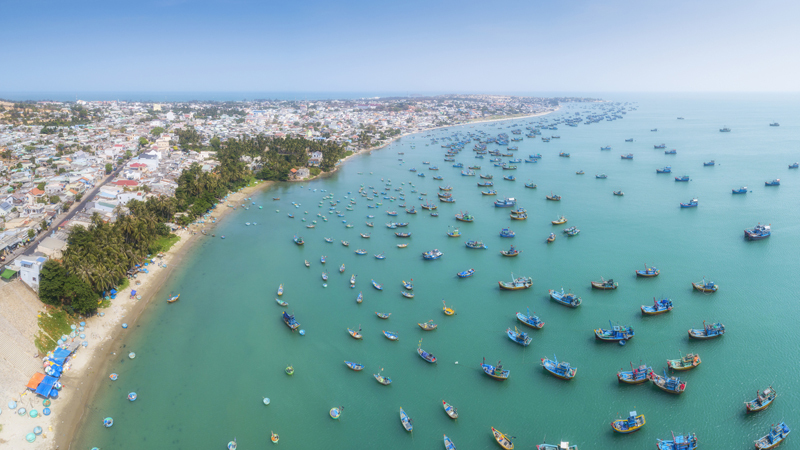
126	183
36	191
135	165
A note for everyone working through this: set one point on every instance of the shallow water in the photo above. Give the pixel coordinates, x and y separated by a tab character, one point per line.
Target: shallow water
204	364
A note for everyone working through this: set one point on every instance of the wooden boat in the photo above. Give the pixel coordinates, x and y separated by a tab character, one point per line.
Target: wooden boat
345	243
551	238
710	331
355	333
323	258
382	315
619	193
280	289
298	240
555	198
432	254
502	439
308	264
341	268
777	434
762	400
604	284
495	372
406	421
376	285
659	307
519	337
324	276
489	192
510	177
560	221
380	256
274	437
465	217
758	232
518	216
685	362
516	283
680	442
447	311
290	321
428	326
466	273
705	286
328	239
336	412
673	385
510	252
636	375
364	235
648	272
392	336
402	245
448	443
775	182
571	231
450	410
355	366
281	302
408	285
425	355
615	333
360	297
407	294
560	370
562	446
173	298
454	233
567	299
353	280
633	423
530	320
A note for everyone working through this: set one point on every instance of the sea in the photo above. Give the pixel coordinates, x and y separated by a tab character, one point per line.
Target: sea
204	364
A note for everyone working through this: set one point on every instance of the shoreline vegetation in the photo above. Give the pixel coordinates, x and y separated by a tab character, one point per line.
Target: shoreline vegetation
100	356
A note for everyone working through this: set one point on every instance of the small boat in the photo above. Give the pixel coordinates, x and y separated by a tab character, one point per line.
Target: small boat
530	185
580	172
328	239
495	372
447	311
376	285
336	412
560	221
383	316
510	252
601	176
308	264
571	231
370	224
290	321
647	272
381	379
667	169
365	235
352	280
406	421
530	320
505	203
324	276
345	243
659	307
380	256
705	286
475	244
510	178
407	294
392	336
402	234
489	192
551	238
608	147
562	446
355	366
466	273
408	285
173	298
568	299
402	245
448	443
794	166
775	437
355	333
636	375
615	333
502	439
323	258
560	370
680	442
673	385
709	331
762	400
691	204
450	410
758	232
628	156
281	302
280	289
683	178
604	284
554	198
454	233
519	337
298	240
685	362
432	254
486	177
563	155
709	163
360	297
516	283
341	268
619	193
425	355
633	423
428	326
465	217
741	190
629	140
671	152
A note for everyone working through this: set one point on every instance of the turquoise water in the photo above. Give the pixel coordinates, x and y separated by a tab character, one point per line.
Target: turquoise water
204	364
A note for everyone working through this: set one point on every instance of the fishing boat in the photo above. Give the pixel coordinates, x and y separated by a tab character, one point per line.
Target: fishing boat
563	155
762	401
510	252
428	326
360	297
365	235
683	178
446	188
392	336
530	320
685	362
519	337
173	298
281	302
680	442
345	243
502	439
448	443
551	238
510	178
355	366
775	437
280	289
615	333
486	177
604	284
671	152
380	256
307	264
659	307
691	204
352	280
647	272
709	163
560	370
741	190
447	311
636	375
495	372
568	299
709	331
324	276
383	316
466	273
673	385
705	286
562	446
465	217
601	176
408	285
659	145
450	410
290	321
667	169
328	239
475	244
628	156
298	240
341	268
530	185
406	421
274	437
454	232
554	198
376	285
486	184
758	232
505	203
580	172
516	283
489	192
794	166
571	231
633	423
323	258
381	379
619	193
402	234
407	294
432	254
425	355
336	412
355	333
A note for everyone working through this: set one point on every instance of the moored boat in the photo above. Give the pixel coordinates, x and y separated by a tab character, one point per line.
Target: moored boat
495	372
376	285
407	294
281	302
667	169
382	315
432	254
280	289
560	370
604	284
174	298
453	233
354	366
775	182
634	422
562	446
615	333
680	442
530	320
777	434
659	307
360	297
381	379
298	240
465	217
530	185
619	193
551	238
516	283
691	204
503	440
356	334
507	233
450	410
519	337
428	357
709	331
428	326
475	244
510	252
636	375
762	401
741	190
758	232
447	311
673	385
568	299
559	221
406	421
685	362
552	197
290	321
390	335
683	178
466	273
705	286
648	272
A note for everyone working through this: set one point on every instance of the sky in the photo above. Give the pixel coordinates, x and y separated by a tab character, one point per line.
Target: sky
411	46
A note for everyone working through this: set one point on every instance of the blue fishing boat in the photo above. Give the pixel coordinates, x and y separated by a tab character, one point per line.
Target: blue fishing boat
487	177
683	178
615	333
530	320
705	286
659	307
530	185
510	178
628	156
794	166
629	140
519	337
355	366
660	146
466	273
680	442
380	256
468	173
673	385
530	161
406	421
741	190
758	232
775	437
671	152
505	203
486	184
507	233
425	355
408	285
619	193
536	156
563	155
458	165
633	423
648	272
421	174
571	231
559	369
709	331
567	299
489	192
298	240
608	147
601	176
438	177
775	182
448	443
636	375
710	163
762	400
495	372
361	251
580	172
667	169
432	254
691	204
290	321
475	244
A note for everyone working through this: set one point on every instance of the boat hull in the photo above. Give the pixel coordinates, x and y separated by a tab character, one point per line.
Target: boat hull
702	288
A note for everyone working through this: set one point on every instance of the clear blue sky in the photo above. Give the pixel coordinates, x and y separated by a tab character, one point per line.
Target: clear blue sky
408	46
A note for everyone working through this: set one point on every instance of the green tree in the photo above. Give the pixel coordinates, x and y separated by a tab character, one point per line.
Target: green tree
109	168
79	196
52	279
41	186
54	199
31	233
157	131
143	142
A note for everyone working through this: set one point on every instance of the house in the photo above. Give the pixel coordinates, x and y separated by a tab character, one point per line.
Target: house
29	269
52	247
315	159
303	173
125	183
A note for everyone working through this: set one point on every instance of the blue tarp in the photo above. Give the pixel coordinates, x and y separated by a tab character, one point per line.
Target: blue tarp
46	386
59	355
